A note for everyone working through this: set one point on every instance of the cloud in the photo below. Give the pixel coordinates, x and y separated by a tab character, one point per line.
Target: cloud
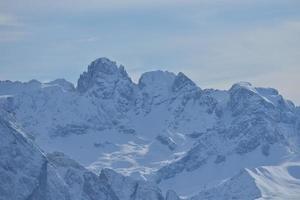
215	42
266	55
241	53
11	36
285	80
7	20
10	28
37	6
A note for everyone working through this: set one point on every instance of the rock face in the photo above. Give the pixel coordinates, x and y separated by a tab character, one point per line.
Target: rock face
25	172
163	129
130	189
105	80
81	183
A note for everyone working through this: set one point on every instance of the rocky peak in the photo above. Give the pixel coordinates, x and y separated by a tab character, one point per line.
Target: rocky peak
103	65
156	79
156	85
246	88
182	81
245	98
101	72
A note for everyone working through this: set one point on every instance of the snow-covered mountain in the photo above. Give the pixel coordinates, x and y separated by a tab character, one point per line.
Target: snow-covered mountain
163	129
27	173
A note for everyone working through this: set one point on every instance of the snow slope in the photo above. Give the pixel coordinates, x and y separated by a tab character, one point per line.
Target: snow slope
267	182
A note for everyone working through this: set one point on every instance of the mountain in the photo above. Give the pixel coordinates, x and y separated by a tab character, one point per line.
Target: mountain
163	131
27	173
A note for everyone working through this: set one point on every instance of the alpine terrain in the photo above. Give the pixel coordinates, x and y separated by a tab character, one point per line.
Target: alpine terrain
162	138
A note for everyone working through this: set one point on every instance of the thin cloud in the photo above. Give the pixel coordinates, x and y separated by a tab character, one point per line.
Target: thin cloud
215	42
7	20
108	5
11	29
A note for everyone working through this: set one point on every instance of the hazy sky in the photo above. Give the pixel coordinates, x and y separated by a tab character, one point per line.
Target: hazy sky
215	42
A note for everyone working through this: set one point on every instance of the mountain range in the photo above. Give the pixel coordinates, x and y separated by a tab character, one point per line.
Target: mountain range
162	138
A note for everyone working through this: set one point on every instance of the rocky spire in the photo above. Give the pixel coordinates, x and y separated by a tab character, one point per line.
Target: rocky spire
100	72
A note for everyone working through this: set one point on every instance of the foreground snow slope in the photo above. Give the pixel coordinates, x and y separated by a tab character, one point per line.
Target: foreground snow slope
164	128
267	182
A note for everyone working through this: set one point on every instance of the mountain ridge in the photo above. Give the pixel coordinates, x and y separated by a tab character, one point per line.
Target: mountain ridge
163	128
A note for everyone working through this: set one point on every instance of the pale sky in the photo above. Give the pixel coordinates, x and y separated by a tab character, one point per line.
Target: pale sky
215	42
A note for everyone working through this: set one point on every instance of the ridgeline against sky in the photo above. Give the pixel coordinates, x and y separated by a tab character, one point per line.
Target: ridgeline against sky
214	42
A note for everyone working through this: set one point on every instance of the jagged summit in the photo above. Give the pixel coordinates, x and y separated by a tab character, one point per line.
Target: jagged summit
165	80
103	71
103	65
99	71
244	94
258	90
